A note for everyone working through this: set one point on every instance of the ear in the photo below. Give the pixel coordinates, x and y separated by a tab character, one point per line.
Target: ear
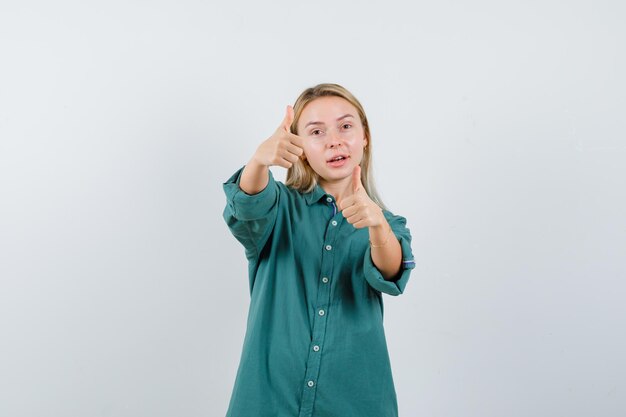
364	143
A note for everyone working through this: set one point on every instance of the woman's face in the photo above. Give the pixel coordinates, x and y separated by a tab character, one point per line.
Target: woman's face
333	137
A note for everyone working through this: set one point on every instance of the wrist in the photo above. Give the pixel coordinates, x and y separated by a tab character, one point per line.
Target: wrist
256	165
380	228
380	239
380	224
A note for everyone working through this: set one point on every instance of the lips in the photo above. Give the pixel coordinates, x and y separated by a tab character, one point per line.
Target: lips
338	161
338	158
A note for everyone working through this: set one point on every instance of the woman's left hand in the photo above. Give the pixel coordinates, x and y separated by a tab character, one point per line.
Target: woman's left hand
358	208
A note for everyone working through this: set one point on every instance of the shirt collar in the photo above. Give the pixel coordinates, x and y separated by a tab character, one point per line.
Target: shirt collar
314	196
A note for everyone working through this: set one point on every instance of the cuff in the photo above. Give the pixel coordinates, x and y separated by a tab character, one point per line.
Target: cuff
375	278
245	206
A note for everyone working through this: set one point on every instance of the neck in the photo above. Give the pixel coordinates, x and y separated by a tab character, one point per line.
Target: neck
339	189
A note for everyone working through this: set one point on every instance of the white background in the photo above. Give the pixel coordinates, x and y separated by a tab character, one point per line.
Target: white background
498	131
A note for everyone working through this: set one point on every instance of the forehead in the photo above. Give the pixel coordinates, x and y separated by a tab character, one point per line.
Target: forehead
327	109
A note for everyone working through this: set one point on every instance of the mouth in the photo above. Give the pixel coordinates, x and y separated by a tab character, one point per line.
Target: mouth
338	161
338	158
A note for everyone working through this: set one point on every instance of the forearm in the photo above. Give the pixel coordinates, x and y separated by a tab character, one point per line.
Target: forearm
385	250
254	178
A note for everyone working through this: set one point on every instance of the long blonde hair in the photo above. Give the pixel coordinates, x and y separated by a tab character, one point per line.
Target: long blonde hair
301	176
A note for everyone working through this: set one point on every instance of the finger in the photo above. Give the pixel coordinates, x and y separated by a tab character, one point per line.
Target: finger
349	211
285	163
294	149
350	219
296	140
356	179
361	224
355	218
288	156
288	120
345	203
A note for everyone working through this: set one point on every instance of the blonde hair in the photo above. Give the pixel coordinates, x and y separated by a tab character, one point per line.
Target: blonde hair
301	176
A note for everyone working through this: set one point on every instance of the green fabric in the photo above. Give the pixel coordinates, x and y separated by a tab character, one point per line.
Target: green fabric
312	348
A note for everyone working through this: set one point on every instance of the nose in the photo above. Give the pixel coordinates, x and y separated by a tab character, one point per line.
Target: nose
334	141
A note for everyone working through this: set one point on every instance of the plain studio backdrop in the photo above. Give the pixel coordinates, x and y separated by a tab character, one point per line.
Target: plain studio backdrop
498	132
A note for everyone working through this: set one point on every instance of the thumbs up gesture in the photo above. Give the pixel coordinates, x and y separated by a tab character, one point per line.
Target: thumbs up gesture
358	208
283	148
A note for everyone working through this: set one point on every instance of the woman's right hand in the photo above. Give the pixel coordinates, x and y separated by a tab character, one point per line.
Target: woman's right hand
283	148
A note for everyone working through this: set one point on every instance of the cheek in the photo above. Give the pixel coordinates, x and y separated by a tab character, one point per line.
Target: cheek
357	141
312	147
310	151
355	135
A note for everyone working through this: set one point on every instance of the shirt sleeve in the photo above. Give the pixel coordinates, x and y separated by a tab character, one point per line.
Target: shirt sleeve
251	218
373	275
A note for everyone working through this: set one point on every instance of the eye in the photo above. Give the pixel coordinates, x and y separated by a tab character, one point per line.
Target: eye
316	132
346	126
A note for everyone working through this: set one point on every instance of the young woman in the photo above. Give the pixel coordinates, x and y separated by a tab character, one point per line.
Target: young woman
321	250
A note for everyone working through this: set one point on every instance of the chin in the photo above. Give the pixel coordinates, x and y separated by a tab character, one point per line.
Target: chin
337	175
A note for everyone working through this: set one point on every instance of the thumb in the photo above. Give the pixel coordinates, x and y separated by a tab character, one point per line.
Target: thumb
288	120
356	179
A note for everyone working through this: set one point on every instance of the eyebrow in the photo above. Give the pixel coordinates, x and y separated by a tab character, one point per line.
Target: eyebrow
321	123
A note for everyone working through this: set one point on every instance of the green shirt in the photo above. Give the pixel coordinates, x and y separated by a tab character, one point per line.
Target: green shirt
315	344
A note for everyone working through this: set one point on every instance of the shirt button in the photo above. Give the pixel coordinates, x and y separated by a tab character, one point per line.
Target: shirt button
325	280
316	348
334	222
310	383
328	247
330	200
321	312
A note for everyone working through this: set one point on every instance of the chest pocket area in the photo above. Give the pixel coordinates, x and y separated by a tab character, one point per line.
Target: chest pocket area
358	241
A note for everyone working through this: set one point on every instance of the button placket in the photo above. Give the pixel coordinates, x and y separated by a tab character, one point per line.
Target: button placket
322	312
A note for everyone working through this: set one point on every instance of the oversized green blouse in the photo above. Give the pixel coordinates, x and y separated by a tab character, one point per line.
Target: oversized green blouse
315	344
